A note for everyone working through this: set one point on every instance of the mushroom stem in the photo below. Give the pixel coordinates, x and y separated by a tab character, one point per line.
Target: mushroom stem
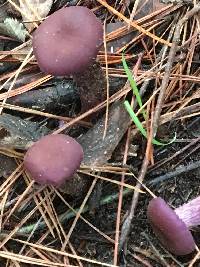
92	86
189	212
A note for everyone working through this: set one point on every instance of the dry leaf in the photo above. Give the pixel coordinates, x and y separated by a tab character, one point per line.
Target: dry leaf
34	10
18	133
146	7
13	28
3	12
7	165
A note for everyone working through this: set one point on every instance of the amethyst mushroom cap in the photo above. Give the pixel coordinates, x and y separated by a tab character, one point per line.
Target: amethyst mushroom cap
170	228
67	41
53	159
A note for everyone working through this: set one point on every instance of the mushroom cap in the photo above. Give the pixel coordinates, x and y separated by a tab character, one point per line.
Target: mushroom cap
170	229
53	159
67	41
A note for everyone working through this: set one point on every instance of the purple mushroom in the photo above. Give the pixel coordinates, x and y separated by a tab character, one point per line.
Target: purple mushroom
67	41
172	226
53	159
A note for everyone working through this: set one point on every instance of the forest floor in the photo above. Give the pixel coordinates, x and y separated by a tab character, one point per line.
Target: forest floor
99	218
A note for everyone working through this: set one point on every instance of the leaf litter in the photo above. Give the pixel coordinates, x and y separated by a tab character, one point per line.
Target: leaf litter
160	44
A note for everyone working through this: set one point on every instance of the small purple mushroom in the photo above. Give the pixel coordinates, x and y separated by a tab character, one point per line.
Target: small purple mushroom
172	226
67	41
53	159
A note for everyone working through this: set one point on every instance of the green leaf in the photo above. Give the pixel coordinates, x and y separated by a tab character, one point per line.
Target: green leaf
133	85
141	128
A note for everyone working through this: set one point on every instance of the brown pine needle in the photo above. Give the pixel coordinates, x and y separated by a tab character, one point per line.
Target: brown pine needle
133	24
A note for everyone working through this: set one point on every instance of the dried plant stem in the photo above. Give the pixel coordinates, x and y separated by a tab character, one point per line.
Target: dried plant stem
169	65
120	202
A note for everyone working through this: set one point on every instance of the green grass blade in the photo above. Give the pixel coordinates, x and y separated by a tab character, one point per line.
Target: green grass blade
133	84
141	128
